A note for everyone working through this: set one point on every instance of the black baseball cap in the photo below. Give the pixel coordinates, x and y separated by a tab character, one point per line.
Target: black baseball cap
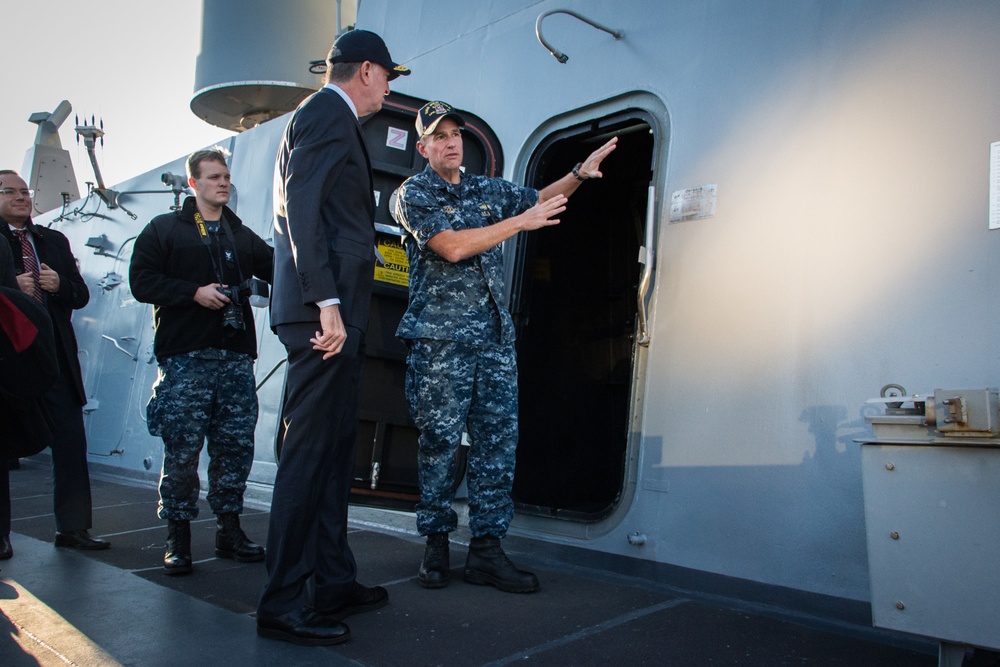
433	113
357	46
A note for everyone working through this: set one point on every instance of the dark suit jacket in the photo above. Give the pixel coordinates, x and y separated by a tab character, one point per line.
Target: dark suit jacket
7	276
53	249
325	232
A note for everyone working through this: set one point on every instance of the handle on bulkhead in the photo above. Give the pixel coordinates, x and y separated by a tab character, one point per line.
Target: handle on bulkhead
646	256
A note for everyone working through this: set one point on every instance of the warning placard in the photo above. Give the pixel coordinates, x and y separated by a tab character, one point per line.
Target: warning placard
396	270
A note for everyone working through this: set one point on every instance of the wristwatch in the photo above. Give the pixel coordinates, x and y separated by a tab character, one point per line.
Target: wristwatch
576	172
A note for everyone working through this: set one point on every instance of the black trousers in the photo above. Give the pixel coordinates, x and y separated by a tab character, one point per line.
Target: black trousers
70	475
309	562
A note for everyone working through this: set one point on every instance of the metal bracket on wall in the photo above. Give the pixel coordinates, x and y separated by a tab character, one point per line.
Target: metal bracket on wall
557	54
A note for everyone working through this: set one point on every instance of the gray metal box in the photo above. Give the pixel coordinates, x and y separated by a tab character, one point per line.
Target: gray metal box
933	524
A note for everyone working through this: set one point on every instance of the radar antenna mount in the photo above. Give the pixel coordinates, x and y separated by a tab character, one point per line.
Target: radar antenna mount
91	133
48	168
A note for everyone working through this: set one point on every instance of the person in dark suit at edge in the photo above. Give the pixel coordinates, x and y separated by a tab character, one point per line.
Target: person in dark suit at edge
29	366
323	272
46	269
7	279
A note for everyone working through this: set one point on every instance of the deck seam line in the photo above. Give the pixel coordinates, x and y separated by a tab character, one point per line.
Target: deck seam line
586	632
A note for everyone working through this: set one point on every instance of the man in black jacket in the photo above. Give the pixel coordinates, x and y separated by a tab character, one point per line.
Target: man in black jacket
194	265
46	270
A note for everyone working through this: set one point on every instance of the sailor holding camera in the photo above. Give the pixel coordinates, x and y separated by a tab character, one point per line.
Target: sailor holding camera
201	268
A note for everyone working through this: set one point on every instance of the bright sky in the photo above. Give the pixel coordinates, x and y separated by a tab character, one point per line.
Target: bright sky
130	62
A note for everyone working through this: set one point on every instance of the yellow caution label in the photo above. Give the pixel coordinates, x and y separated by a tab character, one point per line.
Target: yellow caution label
396	270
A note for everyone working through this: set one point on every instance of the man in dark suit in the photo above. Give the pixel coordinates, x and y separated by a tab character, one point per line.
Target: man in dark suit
323	273
47	270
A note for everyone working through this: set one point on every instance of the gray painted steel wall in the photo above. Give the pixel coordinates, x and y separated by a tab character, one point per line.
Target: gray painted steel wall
849	141
850	144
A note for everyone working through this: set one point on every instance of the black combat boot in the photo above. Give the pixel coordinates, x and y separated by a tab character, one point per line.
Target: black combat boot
232	542
488	564
177	560
435	570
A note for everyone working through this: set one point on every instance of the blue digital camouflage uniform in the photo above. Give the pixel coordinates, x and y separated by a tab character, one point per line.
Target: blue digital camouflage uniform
206	393
461	368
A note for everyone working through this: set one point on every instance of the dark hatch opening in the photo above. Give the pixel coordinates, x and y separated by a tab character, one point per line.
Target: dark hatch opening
574	303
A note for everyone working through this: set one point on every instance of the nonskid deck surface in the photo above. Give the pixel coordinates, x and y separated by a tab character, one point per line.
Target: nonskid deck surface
113	607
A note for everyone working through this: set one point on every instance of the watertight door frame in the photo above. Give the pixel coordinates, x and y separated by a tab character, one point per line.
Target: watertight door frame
653	110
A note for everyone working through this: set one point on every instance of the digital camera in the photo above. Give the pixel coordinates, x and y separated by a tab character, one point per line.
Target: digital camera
253	290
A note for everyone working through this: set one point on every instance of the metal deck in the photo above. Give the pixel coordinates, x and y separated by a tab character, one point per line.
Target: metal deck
116	607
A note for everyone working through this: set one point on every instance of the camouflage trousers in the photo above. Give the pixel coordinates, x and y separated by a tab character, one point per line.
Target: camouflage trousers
206	393
451	387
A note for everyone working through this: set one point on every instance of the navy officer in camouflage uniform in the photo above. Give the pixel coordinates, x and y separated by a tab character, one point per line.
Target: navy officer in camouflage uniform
461	366
190	265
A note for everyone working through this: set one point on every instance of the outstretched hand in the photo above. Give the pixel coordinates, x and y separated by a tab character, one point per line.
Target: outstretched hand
540	215
591	167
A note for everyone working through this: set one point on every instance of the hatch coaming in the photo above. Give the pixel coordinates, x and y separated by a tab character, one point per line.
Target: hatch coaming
574	297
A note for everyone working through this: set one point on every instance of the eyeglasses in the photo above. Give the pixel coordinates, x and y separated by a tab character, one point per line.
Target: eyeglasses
12	192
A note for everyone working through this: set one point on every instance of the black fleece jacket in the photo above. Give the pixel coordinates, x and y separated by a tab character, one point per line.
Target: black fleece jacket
170	262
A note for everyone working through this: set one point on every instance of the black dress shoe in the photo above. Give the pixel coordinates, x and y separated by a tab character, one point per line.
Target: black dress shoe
6	550
80	539
304	627
361	599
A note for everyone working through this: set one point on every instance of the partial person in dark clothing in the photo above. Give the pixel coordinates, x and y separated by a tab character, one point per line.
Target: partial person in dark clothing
197	267
7	276
7	279
324	271
46	269
28	367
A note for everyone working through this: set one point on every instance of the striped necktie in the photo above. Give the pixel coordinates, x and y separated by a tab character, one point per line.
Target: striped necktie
30	262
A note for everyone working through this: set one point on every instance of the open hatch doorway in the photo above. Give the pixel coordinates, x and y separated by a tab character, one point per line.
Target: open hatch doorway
574	301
